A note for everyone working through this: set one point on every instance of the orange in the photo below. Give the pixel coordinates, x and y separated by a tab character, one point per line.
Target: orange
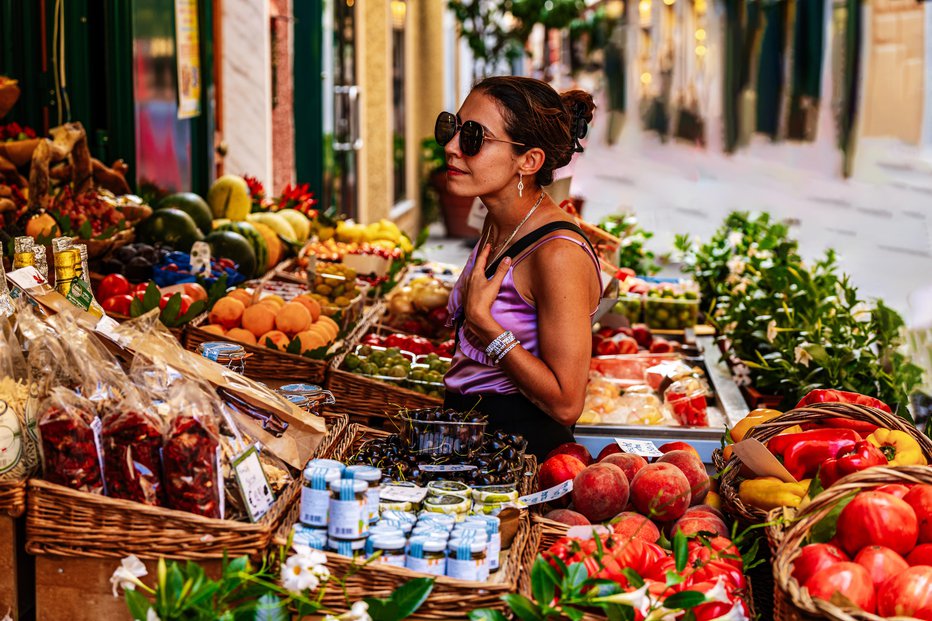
310	304
241	335
311	340
259	318
213	329
242	295
293	318
274	299
279	339
227	312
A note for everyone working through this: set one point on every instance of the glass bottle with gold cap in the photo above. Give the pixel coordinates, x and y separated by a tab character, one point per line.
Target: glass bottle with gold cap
6	301
85	275
23	255
67	260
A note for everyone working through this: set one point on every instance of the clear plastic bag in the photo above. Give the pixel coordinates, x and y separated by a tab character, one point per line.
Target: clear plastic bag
132	446
69	432
18	453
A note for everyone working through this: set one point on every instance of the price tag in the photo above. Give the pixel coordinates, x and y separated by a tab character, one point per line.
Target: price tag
26	278
402	493
644	448
446	468
557	491
253	486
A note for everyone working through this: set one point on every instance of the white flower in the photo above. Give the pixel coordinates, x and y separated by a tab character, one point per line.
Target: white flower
742	375
640	599
772	331
718	593
309	555
741	287
802	355
735	614
861	312
151	615
736	266
734	238
359	612
297	576
127	575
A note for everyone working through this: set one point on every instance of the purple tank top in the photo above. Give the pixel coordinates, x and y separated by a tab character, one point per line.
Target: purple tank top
471	371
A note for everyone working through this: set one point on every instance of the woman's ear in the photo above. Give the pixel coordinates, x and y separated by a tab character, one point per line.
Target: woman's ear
532	161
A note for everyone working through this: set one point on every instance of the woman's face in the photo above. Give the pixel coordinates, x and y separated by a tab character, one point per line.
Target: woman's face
496	164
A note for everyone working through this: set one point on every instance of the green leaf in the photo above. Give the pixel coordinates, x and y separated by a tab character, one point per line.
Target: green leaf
674	578
815	486
824	529
136	307
137	604
294	347
633	577
85	231
486	614
270	608
169	314
575	614
410	596
576	574
542	586
680	550
151	298
197	307
684	599
524	608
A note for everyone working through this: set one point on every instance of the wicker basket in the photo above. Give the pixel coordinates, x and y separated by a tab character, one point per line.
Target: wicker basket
336	432
731	479
12	498
791	602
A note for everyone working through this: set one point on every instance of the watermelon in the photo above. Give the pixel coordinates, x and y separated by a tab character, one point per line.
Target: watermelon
235	247
193	205
259	247
170	227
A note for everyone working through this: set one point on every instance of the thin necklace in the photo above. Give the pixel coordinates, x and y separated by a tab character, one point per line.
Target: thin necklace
517	228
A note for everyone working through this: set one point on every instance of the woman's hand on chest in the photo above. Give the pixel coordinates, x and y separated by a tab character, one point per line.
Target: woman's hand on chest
479	295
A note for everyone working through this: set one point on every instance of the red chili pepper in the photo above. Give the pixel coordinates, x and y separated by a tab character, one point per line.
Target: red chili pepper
842	396
803	453
862	456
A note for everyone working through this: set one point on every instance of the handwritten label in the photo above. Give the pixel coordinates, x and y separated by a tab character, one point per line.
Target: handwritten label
446	468
253	485
644	448
402	493
26	278
557	491
759	459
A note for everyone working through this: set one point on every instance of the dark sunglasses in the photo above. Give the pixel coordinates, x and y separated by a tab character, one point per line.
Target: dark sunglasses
471	133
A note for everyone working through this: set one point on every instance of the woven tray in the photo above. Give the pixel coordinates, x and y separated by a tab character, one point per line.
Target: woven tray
731	479
12	498
791	603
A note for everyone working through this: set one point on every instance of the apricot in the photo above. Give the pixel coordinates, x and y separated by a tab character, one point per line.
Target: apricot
325	329
273	299
259	319
242	295
227	312
310	304
311	340
279	340
327	320
293	318
214	329
241	335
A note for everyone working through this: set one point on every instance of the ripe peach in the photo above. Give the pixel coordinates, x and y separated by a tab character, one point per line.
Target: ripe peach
241	335
600	491
292	318
677	446
259	319
310	340
324	319
227	312
660	491
610	449
707	510
693	468
628	462
578	451
310	304
277	300
556	470
630	524
566	516
279	340
214	329
242	295
701	522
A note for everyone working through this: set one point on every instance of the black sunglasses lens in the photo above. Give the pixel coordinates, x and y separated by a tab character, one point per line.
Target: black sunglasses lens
445	128
471	138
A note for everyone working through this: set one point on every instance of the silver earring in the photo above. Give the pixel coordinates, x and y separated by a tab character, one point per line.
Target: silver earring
520	184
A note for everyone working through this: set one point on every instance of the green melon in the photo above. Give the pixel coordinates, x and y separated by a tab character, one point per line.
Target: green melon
193	205
255	238
170	227
233	246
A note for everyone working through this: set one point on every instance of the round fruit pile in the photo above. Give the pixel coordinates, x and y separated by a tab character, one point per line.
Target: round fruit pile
425	375
297	326
335	285
668	307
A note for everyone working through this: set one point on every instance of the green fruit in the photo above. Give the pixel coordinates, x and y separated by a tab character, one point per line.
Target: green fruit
275	222
254	237
298	221
229	198
170	227
191	204
233	246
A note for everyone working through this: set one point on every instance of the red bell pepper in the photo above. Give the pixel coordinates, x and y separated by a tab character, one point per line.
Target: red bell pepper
862	456
802	453
842	396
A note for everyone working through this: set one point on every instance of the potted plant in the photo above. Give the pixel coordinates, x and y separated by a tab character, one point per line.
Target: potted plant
435	197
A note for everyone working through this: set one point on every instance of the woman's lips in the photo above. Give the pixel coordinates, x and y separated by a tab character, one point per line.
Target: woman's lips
454	171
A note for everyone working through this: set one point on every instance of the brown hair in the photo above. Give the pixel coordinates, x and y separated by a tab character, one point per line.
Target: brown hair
538	116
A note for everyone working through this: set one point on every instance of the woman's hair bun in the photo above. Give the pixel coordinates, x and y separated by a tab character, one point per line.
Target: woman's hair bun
580	106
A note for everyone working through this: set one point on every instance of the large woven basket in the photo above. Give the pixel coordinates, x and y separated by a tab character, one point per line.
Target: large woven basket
336	432
791	601
12	498
450	599
731	478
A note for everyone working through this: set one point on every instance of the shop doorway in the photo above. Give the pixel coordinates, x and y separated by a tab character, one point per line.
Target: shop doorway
342	144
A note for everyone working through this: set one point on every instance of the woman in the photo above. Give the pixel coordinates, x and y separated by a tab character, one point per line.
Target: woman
522	307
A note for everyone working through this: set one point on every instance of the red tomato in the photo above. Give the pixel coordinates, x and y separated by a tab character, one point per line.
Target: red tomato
195	291
874	518
713	570
185	303
920	499
897	489
636	554
881	563
848	579
140	288
717	548
906	594
921	555
717	610
114	284
117	304
814	558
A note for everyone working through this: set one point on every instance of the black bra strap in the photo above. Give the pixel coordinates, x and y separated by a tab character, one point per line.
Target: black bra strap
525	242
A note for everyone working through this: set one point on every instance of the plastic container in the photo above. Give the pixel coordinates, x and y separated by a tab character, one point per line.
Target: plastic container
445	438
348	512
687	402
629	306
467	559
663	313
427	555
315	495
372	476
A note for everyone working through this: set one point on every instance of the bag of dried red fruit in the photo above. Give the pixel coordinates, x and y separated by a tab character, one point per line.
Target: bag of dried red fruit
131	436
69	432
191	451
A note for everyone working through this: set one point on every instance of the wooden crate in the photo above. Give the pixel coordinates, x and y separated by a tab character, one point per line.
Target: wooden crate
17	569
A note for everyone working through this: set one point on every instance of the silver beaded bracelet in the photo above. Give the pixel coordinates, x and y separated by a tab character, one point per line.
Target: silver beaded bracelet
504	353
499	344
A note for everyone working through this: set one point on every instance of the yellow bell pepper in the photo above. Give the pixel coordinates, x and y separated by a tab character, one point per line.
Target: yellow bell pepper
900	448
770	492
754	418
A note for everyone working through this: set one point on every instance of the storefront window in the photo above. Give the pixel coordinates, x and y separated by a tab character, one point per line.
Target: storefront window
399	17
